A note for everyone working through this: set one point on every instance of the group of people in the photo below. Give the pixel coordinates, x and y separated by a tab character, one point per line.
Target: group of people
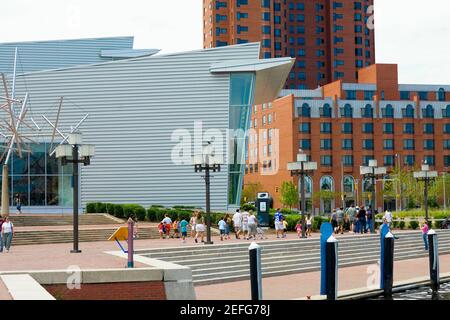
179	228
281	226
245	224
356	219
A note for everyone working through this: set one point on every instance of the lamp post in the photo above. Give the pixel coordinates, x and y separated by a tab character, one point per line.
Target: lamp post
301	168
74	149
398	189
207	162
372	171
425	175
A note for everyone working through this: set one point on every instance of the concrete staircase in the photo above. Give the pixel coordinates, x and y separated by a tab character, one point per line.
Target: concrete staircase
62	220
229	262
66	236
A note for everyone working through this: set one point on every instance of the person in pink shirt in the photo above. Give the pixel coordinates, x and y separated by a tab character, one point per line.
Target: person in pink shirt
425	229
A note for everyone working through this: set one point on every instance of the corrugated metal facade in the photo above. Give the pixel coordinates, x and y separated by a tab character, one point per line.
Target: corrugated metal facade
46	55
134	106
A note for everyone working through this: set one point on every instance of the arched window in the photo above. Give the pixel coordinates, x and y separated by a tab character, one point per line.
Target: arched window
441	94
326	183
308	185
428	112
367	185
388	112
447	112
326	111
349	184
408	112
305	111
368	111
347	111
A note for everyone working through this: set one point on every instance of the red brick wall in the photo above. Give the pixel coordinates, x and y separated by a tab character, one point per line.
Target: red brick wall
153	290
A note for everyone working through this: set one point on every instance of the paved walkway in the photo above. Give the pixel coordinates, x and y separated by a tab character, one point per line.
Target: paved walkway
308	284
83	227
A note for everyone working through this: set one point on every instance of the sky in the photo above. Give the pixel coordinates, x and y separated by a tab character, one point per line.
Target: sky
412	33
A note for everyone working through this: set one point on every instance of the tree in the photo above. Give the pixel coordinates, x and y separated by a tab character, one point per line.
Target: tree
289	194
325	195
250	192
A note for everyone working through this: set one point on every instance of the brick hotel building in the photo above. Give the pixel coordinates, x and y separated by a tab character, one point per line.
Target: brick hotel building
330	40
343	125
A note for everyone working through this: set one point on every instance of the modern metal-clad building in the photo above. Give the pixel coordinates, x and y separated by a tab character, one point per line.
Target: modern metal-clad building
141	113
46	55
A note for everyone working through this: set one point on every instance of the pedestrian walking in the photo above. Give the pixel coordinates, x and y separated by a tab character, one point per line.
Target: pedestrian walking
252	225
161	230
347	223
7	233
356	226
425	230
228	222
285	227
388	217
245	230
200	228
362	220
183	227
351	212
308	225
237	222
176	230
340	220
1	238
192	223
370	216
18	202
278	223
222	227
168	224
298	228
333	220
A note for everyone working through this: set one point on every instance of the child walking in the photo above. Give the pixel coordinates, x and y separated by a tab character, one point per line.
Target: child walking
183	226
298	227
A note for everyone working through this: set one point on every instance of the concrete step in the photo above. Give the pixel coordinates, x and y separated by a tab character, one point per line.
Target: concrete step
203	278
229	262
62	220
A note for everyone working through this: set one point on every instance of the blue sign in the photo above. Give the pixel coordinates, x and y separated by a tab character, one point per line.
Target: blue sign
326	231
383	232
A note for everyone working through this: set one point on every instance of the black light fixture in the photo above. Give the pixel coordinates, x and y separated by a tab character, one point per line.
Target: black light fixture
79	153
207	162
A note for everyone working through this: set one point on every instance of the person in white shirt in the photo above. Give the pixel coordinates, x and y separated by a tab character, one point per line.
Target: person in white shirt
252	223
168	223
245	216
7	233
237	222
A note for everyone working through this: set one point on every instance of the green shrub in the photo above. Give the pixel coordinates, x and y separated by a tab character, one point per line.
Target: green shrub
317	222
118	211
100	207
402	224
191	208
160	214
248	207
151	214
110	208
395	224
91	207
437	224
140	213
157	206
414	224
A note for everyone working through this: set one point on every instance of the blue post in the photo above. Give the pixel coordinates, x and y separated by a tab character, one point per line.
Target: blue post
434	260
326	230
130	243
332	268
383	232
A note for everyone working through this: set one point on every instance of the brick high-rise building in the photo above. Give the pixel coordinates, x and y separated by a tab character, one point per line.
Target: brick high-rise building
342	126
331	40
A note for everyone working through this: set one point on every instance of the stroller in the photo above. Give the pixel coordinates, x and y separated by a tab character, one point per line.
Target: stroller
260	234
